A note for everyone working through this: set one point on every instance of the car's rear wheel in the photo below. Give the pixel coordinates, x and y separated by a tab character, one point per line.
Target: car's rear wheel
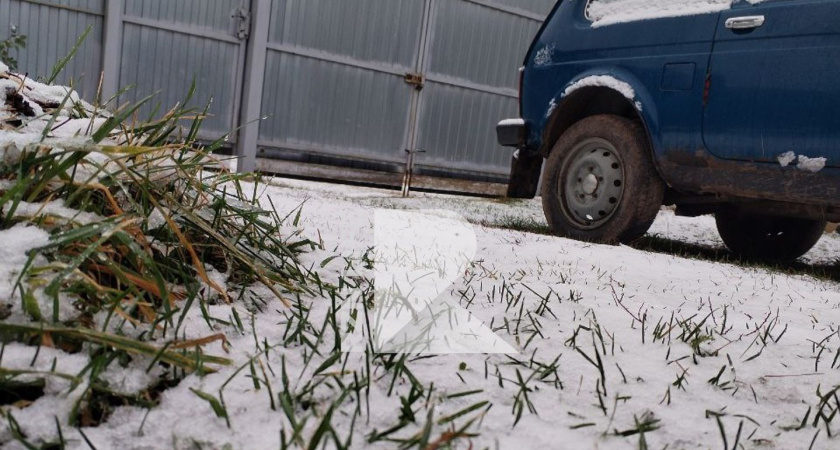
767	238
600	183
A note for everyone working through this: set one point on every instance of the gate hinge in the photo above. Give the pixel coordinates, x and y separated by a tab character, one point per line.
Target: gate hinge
415	79
243	18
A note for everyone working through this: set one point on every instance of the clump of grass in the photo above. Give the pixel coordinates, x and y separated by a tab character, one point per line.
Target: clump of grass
160	229
204	218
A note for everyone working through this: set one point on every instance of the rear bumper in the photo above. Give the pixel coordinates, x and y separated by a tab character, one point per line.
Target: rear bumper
512	133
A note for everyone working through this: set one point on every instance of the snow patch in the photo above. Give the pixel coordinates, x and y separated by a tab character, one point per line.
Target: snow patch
55	209
44	94
786	159
61	395
512	122
133	379
16	242
803	162
611	12
552	106
544	56
67	128
812	165
13	145
3	67
605	81
40	106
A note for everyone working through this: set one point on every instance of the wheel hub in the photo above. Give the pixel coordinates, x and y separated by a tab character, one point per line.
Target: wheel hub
590	184
594	184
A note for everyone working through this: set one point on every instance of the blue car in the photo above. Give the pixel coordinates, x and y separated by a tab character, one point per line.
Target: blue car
717	107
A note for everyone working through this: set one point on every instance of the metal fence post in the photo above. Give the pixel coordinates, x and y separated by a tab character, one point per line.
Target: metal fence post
426	29
252	90
112	50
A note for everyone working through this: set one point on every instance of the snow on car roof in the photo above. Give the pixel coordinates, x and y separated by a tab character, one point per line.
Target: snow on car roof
610	12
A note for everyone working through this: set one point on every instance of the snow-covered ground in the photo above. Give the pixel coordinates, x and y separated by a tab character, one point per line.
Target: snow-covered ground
610	341
558	344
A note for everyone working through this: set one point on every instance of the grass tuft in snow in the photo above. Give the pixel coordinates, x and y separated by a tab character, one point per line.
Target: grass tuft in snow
143	227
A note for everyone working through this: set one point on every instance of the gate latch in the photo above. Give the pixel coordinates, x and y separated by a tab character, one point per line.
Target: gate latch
415	79
243	18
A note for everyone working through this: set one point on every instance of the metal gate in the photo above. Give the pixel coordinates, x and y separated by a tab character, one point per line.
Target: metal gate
369	83
52	28
471	78
166	44
155	46
335	77
354	89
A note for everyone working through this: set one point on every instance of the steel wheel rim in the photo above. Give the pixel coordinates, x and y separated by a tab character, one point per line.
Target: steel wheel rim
592	183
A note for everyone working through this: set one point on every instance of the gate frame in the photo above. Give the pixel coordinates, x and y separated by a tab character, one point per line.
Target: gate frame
445	80
112	50
256	56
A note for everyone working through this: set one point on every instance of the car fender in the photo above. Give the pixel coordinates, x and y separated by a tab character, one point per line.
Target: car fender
619	80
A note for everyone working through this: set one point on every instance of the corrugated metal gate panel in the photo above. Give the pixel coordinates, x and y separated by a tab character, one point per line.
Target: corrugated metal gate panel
320	106
382	31
479	44
334	78
472	84
169	43
52	28
456	129
204	14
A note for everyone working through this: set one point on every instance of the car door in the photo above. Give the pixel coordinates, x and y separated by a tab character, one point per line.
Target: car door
774	82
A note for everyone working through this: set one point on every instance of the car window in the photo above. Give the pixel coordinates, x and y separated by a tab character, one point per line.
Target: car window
608	12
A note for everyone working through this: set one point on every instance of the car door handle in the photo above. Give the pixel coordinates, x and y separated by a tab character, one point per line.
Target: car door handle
745	22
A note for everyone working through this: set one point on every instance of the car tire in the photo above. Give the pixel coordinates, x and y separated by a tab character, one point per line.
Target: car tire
525	171
600	183
767	238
